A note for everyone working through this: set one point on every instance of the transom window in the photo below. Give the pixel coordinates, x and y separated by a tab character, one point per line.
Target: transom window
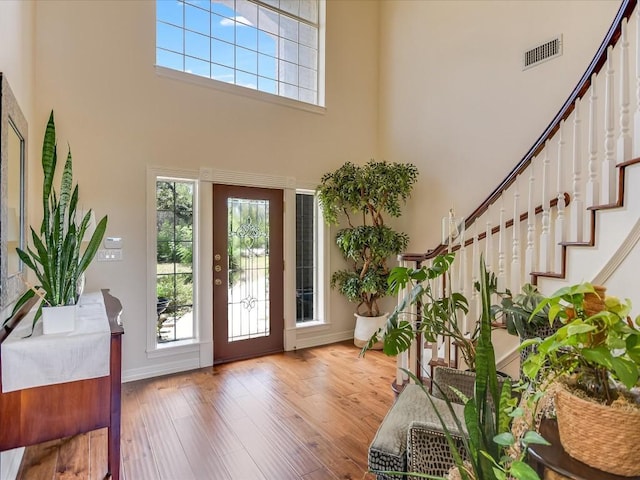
268	45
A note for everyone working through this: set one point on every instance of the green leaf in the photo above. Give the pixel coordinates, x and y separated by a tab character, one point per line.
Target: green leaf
626	371
522	471
534	438
578	327
504	439
93	245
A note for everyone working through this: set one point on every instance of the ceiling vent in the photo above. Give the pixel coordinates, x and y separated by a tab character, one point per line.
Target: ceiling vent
542	53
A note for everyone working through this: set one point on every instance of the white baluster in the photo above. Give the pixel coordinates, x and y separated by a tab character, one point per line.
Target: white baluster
559	225
463	283
530	260
607	191
475	268
636	117
624	139
545	236
402	360
593	188
516	279
475	275
501	277
577	205
488	243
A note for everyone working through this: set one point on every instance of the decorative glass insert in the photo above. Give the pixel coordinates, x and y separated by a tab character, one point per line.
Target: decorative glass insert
306	272
267	45
174	259
248	244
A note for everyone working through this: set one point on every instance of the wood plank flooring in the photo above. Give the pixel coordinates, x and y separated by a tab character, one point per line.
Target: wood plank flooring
306	415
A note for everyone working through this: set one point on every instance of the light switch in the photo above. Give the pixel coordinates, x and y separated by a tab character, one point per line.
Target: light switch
113	242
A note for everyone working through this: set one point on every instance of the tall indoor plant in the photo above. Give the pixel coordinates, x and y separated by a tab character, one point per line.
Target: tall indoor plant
56	256
363	195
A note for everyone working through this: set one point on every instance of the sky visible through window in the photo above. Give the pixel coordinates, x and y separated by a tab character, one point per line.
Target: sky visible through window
271	46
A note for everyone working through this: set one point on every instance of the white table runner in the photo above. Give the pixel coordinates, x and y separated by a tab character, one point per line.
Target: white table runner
65	357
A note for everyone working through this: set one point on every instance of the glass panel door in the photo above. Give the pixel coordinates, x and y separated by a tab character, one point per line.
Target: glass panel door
248	272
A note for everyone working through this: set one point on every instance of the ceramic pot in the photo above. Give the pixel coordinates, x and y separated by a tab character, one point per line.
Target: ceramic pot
366	327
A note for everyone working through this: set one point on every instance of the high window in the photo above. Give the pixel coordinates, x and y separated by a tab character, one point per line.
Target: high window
174	259
273	46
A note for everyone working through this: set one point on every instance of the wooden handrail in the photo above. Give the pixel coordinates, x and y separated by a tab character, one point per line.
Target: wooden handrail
442	248
599	60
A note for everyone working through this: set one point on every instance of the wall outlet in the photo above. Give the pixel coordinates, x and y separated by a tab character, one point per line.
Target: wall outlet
109	256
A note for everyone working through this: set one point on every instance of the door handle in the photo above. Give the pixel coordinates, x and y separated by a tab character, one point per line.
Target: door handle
217	282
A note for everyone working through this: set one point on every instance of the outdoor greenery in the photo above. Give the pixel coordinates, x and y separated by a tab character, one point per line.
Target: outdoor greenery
56	256
362	195
174	246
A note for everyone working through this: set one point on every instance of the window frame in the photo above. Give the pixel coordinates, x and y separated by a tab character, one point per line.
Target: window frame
318	107
155	348
321	262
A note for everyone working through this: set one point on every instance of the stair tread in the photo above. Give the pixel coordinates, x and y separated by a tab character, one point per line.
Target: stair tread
577	244
605	206
548	274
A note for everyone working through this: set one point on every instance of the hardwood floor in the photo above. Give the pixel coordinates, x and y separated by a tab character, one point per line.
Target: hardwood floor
307	415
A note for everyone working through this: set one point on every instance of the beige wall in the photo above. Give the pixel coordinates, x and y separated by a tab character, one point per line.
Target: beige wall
449	74
95	68
16	50
455	101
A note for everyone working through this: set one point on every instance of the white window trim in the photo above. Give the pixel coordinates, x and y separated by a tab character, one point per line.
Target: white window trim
321	260
239	90
155	349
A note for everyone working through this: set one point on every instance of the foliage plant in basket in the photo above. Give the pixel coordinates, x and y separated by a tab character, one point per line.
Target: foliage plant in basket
362	195
56	256
595	356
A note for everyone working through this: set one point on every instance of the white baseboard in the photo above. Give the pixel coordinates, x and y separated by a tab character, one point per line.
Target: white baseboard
133	374
318	340
10	463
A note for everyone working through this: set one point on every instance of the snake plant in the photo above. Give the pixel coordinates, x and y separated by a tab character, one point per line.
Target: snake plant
56	256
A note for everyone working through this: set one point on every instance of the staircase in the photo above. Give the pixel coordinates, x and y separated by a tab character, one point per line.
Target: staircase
570	209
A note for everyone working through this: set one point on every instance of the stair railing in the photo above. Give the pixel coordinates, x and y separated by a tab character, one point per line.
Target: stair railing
548	200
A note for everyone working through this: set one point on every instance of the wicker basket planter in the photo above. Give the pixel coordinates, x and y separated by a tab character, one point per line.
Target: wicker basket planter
603	437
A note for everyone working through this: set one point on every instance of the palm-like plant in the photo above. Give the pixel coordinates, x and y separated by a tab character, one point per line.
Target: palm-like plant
56	257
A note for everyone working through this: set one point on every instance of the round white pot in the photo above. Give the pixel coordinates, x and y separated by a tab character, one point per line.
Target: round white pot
366	327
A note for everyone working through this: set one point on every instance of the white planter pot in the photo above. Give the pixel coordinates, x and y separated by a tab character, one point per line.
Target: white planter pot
366	327
58	319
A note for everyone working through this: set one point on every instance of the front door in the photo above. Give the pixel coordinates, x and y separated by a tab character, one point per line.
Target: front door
248	271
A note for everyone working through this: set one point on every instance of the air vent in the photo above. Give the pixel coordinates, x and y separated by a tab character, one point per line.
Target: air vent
542	53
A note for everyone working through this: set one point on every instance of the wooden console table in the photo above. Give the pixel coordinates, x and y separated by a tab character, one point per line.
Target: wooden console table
553	458
40	414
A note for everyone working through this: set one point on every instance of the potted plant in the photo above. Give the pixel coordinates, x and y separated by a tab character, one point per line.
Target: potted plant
439	313
595	356
493	448
57	257
516	312
363	195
